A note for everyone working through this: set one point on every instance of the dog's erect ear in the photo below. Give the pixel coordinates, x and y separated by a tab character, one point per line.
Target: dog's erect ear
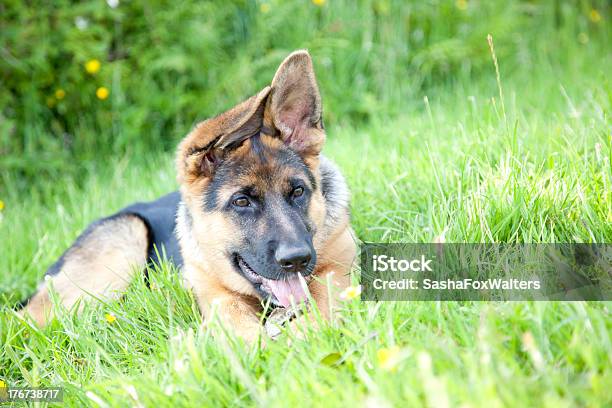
206	145
294	105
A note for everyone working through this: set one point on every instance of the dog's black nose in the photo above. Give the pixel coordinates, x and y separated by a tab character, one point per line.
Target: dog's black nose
293	257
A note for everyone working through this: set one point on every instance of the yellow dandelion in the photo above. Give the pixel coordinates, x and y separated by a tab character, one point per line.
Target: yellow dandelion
1	205
388	358
351	292
264	8
595	16
2	384
318	2
110	318
102	93
461	4
92	66
60	93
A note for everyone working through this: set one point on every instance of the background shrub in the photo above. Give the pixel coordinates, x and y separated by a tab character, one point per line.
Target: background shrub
156	67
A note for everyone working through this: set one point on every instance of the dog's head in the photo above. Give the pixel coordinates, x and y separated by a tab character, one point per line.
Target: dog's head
250	181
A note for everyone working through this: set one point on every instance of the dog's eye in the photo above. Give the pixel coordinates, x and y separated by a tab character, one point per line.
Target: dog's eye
297	192
241	202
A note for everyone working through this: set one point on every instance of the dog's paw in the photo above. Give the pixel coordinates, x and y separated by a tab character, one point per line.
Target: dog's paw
277	320
297	321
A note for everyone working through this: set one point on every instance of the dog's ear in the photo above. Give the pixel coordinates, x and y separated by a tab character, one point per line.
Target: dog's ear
294	105
206	145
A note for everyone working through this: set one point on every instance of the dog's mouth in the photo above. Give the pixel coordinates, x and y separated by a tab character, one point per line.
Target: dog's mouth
291	287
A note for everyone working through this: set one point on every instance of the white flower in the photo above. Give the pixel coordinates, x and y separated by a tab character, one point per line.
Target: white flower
81	23
180	366
112	3
350	292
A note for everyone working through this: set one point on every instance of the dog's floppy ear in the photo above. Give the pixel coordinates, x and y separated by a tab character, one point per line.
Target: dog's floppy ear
294	105
206	145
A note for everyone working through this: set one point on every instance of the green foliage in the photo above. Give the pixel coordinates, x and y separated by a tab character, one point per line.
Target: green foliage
168	64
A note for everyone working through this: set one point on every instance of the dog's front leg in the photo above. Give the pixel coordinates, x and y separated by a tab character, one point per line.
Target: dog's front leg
236	313
240	316
326	288
333	274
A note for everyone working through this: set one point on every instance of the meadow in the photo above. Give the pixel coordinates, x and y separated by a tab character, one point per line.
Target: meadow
435	143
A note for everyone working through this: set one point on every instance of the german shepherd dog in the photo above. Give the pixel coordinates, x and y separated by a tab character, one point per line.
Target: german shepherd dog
261	216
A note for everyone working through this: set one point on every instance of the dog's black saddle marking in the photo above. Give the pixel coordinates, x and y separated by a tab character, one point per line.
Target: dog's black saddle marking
160	218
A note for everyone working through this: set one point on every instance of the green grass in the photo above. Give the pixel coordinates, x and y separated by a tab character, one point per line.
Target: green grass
453	165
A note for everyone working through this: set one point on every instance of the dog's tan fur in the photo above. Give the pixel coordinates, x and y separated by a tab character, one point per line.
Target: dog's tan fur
101	265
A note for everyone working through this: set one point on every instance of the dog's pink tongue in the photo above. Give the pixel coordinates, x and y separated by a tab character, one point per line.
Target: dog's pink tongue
284	290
